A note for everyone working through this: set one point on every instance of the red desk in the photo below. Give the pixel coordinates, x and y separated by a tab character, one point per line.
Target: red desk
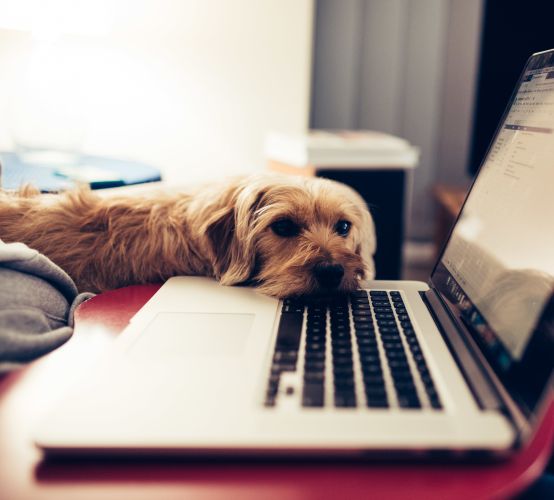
27	394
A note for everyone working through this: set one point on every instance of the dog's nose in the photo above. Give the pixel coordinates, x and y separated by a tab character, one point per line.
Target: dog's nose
329	275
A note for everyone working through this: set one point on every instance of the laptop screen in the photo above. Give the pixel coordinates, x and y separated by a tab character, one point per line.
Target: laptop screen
497	268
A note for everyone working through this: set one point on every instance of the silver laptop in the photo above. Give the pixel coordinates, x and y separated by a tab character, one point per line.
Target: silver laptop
459	366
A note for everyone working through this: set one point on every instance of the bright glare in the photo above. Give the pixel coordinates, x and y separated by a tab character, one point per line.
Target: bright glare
49	19
189	86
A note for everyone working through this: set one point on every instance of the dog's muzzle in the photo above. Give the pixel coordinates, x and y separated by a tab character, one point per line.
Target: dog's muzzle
328	275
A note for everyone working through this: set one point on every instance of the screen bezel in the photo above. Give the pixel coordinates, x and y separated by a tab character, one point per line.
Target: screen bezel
527	379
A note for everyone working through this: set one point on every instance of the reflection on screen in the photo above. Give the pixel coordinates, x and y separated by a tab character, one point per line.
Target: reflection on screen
501	252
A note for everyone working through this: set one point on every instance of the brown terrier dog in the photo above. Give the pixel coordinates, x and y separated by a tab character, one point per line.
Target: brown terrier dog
285	235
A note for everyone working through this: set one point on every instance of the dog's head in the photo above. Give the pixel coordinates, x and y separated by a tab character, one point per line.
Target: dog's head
290	235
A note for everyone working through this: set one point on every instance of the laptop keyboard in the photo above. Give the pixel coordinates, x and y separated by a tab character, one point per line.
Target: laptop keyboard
348	352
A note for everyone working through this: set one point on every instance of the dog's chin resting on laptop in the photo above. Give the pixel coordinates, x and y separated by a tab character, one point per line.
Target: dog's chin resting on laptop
287	236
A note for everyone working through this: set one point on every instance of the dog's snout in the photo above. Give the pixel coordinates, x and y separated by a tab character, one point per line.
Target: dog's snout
329	275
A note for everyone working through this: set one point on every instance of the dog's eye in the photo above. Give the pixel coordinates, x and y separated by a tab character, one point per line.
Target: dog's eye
285	228
342	227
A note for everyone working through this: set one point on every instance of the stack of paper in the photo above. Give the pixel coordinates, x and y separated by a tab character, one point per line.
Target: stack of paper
341	148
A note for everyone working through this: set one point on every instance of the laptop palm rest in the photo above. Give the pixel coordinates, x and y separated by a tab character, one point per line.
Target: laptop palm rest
191	336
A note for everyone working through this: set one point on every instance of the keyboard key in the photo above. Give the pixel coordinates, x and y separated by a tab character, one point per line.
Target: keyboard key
369	359
312	336
340	337
316	339
393	354
312	394
288	334
384	314
393	344
372	369
283	366
315	377
343	381
380	300
411	401
344	343
405	388
435	402
342	361
377	403
315	330
344	384
368	341
315	347
376	392
340	329
314	366
314	356
285	356
345	400
374	382
365	333
339	321
389	330
293	306
273	384
402	376
368	349
417	350
343	371
377	399
382	309
342	351
418	358
361	313
431	392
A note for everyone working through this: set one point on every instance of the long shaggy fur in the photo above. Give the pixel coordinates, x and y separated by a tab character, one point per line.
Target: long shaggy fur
219	230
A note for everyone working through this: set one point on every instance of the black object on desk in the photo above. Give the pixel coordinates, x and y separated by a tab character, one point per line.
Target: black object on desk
384	190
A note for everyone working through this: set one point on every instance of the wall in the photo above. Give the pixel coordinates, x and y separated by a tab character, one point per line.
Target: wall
190	86
406	67
465	19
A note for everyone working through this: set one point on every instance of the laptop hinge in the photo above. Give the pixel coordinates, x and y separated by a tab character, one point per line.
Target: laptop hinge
483	383
483	391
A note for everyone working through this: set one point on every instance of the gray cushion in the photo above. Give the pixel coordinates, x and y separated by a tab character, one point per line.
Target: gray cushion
37	301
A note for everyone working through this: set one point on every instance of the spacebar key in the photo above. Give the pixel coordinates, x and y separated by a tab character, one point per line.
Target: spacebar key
290	328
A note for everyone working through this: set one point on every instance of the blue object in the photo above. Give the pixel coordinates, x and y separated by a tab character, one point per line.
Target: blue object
17	170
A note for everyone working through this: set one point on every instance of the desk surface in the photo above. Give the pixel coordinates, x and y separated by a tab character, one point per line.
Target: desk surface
27	394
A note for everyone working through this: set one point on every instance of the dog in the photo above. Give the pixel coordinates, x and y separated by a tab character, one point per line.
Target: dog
287	236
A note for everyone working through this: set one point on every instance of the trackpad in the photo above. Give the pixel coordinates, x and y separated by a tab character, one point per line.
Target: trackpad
193	335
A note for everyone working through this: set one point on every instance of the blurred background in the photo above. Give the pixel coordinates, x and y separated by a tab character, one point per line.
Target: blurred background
193	87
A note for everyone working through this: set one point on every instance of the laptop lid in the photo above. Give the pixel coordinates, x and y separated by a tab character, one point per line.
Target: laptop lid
496	271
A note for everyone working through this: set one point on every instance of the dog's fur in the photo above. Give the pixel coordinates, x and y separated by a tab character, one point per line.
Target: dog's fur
219	230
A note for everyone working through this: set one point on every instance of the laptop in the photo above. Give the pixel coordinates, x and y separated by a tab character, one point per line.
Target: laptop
461	366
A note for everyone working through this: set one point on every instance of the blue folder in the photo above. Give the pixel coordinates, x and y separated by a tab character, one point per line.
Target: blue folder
96	171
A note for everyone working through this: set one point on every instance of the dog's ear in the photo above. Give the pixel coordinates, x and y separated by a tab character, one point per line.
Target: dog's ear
368	243
219	230
231	232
